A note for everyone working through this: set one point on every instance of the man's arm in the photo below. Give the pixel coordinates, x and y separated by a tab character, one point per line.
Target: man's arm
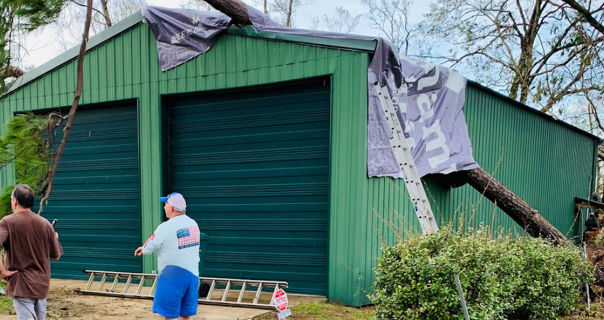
4	273
152	244
56	250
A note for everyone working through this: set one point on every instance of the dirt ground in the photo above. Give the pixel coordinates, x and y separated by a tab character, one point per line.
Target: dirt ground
65	303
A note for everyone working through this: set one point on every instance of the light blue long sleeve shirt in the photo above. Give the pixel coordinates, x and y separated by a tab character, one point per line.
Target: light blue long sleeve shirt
176	242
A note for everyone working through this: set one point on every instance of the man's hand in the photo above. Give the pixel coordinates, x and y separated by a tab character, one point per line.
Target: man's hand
5	274
138	251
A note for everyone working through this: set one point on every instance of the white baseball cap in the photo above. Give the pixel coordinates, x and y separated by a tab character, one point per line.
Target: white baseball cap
176	200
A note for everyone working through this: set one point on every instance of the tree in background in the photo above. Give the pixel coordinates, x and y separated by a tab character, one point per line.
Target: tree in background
27	143
104	14
17	18
341	21
539	52
548	54
197	5
590	16
282	11
391	18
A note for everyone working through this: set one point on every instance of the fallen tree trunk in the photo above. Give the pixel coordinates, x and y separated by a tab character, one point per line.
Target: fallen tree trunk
234	9
528	218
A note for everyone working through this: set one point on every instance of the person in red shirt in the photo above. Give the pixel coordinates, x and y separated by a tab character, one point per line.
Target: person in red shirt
29	241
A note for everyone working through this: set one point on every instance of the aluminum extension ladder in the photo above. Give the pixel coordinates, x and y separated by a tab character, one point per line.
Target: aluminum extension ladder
222	291
404	157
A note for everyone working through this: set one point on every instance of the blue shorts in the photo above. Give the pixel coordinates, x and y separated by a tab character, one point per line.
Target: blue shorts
176	293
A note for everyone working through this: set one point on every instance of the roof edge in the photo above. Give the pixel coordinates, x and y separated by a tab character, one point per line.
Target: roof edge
72	53
535	111
350	44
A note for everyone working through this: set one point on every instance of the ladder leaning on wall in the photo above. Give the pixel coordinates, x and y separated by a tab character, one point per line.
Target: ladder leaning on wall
404	158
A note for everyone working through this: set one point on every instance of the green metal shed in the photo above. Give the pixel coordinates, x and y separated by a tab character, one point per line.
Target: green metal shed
265	135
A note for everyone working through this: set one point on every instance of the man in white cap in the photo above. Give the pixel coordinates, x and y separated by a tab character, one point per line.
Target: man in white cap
176	242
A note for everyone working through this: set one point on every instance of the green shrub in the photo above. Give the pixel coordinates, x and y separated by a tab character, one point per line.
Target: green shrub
501	277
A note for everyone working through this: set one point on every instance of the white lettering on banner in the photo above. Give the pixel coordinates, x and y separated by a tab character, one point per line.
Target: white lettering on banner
455	82
178	37
425	102
409	127
435	139
428	81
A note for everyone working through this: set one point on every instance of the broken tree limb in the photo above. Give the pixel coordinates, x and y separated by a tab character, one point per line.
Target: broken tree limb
234	9
528	218
74	106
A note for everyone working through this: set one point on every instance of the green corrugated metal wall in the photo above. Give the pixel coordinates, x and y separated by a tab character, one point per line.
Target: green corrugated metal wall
96	192
254	168
545	163
361	210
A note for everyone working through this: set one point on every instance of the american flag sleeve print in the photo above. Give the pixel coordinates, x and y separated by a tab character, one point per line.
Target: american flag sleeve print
188	237
151	245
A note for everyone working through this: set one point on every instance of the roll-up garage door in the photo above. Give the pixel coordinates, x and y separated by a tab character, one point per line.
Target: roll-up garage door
96	193
253	166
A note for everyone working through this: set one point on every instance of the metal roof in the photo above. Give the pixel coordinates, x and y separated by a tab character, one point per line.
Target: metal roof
136	18
535	111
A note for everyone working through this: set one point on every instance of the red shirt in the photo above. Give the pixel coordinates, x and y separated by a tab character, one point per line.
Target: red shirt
29	242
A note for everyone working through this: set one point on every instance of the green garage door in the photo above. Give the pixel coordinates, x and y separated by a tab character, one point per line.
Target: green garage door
253	166
96	193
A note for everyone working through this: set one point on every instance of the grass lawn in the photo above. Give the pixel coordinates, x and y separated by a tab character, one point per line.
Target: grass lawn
596	312
5	303
323	311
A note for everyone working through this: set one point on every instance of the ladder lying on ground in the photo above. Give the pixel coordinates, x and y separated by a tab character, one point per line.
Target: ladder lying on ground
404	157
221	291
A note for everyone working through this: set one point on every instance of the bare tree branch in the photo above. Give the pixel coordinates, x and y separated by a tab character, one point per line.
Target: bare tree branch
586	14
74	106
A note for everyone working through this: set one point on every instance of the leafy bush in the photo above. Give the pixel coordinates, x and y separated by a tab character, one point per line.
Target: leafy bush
501	276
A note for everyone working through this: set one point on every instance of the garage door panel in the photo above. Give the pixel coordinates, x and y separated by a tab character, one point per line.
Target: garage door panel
278	168
254	169
266	155
123	149
249	102
96	194
285	241
257	121
104	135
193	137
278	140
226	206
129	181
210	217
95	239
236	174
229	150
248	251
281	168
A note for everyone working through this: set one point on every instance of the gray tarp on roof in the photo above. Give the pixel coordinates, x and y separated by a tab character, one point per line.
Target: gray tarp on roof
429	98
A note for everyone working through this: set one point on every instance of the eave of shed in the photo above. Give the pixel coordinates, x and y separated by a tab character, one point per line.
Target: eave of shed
535	111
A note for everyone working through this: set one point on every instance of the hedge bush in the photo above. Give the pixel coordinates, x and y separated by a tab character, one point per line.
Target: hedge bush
502	277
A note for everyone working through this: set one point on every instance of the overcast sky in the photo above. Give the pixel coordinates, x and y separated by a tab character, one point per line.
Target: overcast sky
42	45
